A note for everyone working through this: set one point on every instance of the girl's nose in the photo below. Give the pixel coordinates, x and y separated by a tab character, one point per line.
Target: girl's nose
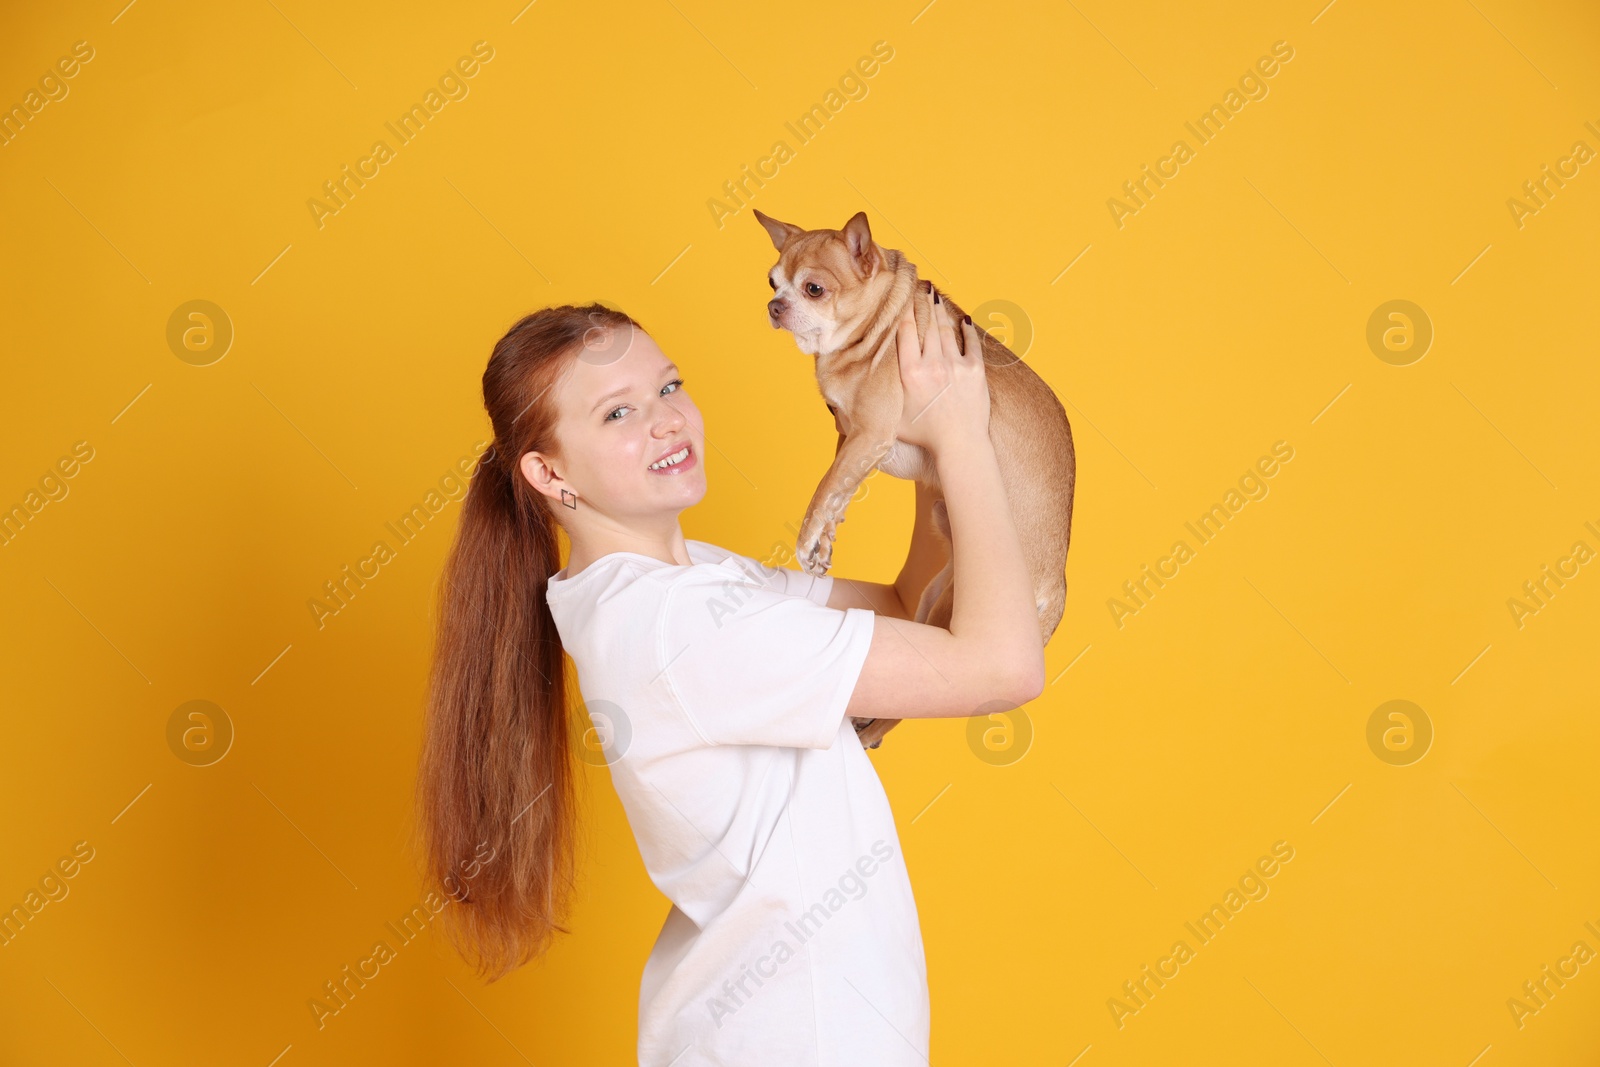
671	417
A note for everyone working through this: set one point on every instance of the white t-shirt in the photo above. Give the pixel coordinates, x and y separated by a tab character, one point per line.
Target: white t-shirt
718	691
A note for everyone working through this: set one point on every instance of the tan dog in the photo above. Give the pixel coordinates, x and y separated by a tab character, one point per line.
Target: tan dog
841	295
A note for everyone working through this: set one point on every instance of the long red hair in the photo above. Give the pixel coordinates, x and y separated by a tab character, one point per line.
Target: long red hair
496	800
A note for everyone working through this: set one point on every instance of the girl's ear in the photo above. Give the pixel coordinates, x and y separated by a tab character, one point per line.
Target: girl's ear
539	474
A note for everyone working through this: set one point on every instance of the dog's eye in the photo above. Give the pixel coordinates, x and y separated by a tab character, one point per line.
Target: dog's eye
772	282
813	289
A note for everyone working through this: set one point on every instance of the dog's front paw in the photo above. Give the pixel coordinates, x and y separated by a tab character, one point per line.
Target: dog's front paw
870	731
814	549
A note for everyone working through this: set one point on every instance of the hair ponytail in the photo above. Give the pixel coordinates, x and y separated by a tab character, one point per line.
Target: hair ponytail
496	786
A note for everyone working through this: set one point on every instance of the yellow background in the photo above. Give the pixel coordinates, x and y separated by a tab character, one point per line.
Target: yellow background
1226	315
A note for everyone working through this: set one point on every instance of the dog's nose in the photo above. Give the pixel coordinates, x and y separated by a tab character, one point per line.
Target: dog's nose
776	307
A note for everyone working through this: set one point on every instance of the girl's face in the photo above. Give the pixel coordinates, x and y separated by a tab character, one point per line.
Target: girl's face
621	408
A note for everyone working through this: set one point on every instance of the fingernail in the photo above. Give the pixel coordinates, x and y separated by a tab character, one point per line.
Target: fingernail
936	298
967	319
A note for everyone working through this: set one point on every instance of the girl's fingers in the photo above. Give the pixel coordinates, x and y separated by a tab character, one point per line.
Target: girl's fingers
906	337
947	332
974	343
931	347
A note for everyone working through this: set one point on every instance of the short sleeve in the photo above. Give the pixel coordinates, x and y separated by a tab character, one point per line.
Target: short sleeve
795	582
788	580
753	664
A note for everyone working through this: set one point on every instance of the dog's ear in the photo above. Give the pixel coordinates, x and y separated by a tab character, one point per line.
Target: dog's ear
780	232
858	240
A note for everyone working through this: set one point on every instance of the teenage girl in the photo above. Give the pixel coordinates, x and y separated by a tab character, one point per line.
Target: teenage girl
721	690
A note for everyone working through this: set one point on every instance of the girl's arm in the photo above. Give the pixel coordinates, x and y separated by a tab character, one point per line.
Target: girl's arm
992	649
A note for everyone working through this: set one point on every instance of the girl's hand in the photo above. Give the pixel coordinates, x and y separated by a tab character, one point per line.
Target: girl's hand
945	393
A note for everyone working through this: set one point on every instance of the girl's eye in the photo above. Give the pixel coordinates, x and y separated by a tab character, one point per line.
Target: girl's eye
664	388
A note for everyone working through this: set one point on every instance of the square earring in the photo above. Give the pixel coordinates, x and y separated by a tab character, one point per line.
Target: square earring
564	494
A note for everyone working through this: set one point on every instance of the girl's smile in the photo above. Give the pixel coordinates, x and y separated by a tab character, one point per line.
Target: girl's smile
676	461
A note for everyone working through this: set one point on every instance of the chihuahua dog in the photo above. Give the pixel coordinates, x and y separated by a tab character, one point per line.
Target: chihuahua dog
841	296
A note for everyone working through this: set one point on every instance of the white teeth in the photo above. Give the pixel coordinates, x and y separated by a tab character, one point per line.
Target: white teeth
675	458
